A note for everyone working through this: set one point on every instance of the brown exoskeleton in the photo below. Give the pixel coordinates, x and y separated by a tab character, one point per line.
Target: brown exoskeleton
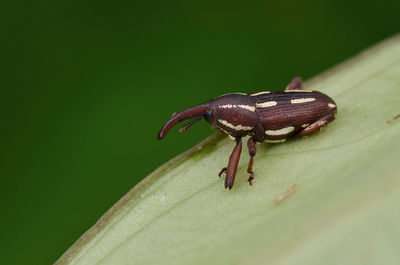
264	116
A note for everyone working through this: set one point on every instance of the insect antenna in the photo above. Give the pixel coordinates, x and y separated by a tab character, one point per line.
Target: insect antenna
185	127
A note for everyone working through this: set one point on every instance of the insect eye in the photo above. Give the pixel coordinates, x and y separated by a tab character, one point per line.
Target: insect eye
209	116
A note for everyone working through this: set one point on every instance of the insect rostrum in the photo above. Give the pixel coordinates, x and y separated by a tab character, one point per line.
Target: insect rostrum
264	116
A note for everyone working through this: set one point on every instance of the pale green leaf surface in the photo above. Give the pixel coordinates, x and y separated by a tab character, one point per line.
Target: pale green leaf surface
345	209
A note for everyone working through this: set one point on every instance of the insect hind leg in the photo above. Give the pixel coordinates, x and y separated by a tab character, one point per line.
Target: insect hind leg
316	125
295	84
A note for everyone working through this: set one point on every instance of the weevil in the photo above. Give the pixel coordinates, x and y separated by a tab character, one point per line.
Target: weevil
264	116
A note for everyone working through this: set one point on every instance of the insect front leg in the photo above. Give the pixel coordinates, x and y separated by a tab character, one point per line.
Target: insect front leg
251	145
295	84
232	165
316	125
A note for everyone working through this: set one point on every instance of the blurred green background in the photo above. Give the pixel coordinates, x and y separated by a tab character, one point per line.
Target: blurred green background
86	85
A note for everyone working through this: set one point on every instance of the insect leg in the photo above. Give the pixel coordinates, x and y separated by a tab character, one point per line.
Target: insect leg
222	171
232	165
295	84
251	145
316	125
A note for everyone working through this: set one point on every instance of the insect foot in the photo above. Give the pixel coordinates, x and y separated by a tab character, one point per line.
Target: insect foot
222	171
251	178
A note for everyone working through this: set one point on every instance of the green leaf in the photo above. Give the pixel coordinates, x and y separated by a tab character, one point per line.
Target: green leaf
345	209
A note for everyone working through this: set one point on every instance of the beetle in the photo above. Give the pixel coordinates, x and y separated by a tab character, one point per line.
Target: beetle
264	116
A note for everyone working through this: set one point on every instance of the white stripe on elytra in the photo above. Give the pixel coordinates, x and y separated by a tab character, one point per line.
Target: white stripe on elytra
275	141
266	104
235	127
259	93
228	106
305	125
282	131
301	100
331	105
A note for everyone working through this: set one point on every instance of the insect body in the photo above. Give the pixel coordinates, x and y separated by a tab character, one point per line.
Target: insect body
264	116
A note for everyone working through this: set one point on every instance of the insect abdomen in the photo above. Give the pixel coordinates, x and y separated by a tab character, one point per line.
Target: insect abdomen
283	114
